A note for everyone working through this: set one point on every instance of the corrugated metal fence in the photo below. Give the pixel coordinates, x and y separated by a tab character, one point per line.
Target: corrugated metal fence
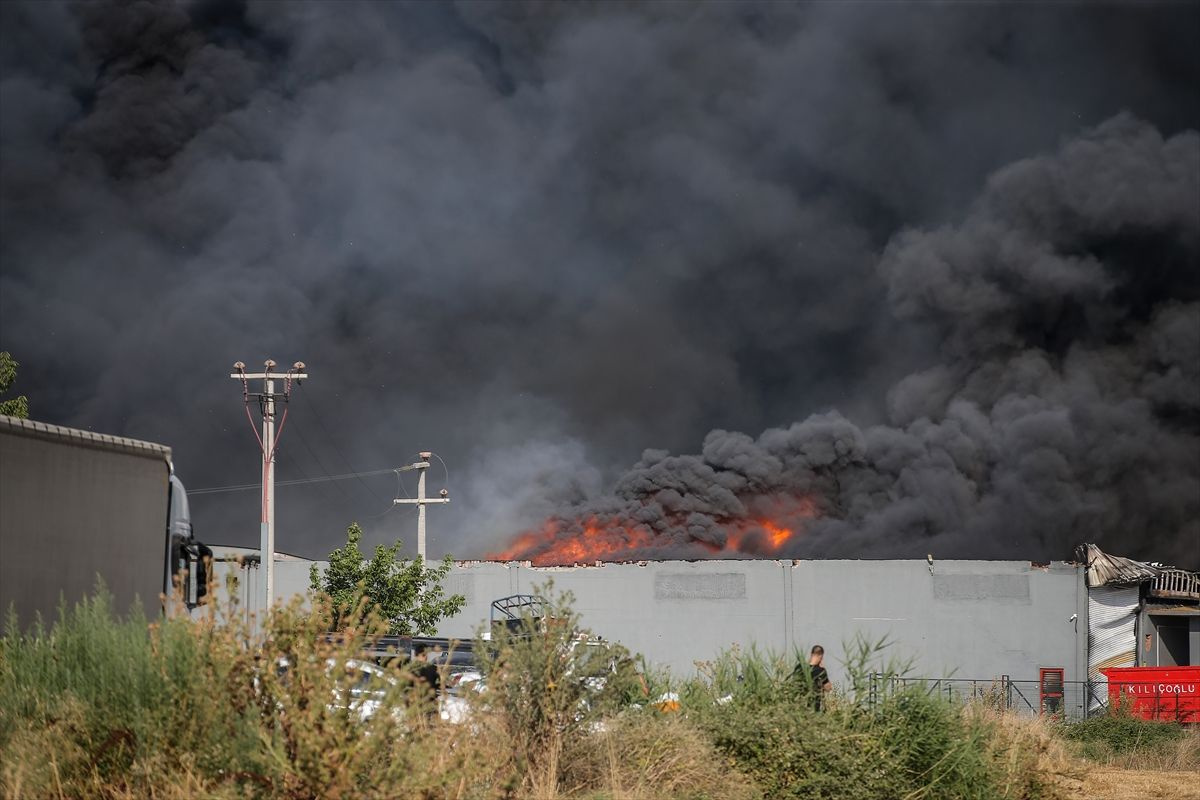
1071	700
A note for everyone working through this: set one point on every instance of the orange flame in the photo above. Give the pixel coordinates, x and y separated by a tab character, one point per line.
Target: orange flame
778	533
564	542
596	541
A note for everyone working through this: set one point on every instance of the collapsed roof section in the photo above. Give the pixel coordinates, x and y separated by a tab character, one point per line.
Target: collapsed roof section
1106	570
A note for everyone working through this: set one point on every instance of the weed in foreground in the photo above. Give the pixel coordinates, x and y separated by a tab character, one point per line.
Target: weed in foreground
99	706
1120	738
549	684
1028	758
906	744
646	755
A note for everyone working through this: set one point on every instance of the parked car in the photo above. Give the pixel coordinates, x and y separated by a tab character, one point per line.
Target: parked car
368	687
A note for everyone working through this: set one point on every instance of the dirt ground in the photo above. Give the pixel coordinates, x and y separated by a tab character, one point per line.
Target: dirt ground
1107	783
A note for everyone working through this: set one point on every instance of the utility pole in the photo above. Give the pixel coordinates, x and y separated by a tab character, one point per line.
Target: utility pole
267	444
421	500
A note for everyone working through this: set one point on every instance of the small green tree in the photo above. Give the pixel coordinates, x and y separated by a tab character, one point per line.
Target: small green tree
407	594
14	406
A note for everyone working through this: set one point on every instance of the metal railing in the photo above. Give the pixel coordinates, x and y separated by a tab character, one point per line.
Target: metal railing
1176	584
1070	700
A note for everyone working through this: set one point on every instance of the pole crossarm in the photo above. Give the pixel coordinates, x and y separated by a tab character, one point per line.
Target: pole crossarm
296	376
420	501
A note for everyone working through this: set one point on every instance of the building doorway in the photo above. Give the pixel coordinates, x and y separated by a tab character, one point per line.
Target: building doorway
1171	641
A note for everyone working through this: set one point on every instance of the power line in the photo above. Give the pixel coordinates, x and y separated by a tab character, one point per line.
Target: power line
445	469
295	464
316	415
241	487
321	466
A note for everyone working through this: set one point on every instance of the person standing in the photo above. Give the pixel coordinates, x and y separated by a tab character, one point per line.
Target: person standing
426	670
819	676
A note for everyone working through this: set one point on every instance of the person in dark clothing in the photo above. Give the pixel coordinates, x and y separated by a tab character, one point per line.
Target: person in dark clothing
818	675
427	670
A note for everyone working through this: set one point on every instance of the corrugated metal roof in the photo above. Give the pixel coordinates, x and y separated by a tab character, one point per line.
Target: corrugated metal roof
1106	570
103	441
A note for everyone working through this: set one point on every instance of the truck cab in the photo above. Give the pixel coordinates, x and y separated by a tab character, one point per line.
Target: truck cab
189	565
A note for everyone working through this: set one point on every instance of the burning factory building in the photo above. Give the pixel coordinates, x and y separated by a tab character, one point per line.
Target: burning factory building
1043	634
901	315
1062	407
1060	404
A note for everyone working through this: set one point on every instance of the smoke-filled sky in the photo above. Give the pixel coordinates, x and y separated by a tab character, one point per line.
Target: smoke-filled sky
939	265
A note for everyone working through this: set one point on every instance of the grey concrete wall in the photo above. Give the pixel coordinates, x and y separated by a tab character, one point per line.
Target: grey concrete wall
70	510
968	619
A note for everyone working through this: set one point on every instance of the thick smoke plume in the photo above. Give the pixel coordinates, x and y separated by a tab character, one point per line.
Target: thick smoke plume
1067	407
538	238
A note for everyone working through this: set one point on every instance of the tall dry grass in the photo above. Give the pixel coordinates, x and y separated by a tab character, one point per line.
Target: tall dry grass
1179	755
567	706
1120	739
646	756
98	706
1027	754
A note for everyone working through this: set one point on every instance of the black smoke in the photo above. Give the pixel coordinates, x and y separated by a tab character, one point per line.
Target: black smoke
1066	406
538	238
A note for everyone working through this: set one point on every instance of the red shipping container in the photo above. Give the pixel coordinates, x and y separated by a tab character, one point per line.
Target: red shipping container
1171	694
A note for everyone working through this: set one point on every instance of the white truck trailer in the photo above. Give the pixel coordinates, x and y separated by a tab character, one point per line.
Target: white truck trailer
76	505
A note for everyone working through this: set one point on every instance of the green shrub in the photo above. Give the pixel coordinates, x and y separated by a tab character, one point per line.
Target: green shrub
793	752
911	744
1119	732
759	713
750	677
934	749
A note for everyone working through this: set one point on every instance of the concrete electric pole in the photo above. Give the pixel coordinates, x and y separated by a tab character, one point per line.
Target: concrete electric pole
421	500
267	443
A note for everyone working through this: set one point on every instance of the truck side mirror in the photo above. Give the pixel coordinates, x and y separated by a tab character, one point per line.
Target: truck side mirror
179	577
